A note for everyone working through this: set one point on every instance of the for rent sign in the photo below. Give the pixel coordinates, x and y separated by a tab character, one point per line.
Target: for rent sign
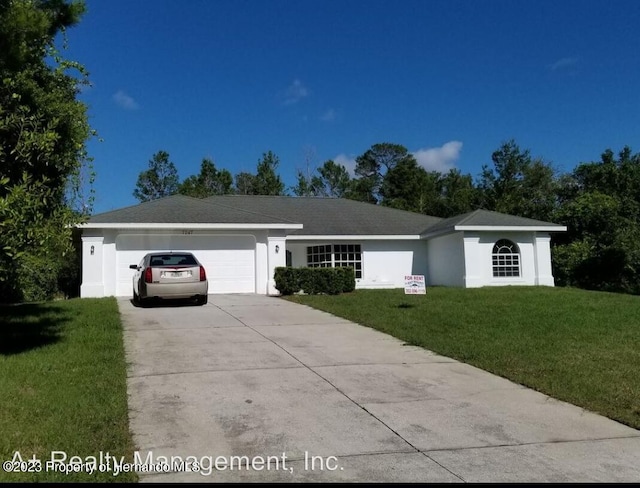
415	285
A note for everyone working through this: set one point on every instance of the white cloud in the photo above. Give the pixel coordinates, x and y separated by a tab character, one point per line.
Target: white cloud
296	92
347	161
328	116
564	64
440	159
125	101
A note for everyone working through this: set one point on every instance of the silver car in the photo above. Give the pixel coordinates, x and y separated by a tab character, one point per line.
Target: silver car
169	275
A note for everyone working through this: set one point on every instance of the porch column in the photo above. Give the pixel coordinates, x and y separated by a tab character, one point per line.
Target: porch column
276	249
92	269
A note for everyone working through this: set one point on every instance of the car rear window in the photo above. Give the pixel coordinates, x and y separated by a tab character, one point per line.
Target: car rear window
173	260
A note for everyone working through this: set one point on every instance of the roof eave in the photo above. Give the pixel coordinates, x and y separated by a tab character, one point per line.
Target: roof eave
512	228
353	237
183	225
495	228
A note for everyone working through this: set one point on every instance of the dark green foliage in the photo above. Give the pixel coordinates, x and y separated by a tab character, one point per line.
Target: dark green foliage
70	274
266	181
305	280
408	186
31	234
390	175
371	168
458	195
43	135
43	127
313	281
326	280
333	180
600	205
286	280
348	279
245	183
37	278
518	184
306	185
160	180
210	181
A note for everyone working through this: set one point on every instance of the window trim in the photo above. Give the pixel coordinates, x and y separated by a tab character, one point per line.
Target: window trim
342	255
505	264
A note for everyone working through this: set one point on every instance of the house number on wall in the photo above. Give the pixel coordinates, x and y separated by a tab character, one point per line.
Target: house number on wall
187	232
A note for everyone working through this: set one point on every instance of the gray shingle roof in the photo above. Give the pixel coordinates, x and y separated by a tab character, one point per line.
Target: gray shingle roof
319	216
183	209
485	218
332	216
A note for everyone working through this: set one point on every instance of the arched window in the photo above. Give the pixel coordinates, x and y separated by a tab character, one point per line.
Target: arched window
506	259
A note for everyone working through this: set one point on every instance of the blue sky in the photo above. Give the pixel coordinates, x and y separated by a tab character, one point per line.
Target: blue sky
316	80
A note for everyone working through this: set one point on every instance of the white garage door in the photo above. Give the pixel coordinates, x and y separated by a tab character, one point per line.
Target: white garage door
228	260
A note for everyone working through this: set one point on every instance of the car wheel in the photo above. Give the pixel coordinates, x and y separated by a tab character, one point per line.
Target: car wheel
202	300
136	298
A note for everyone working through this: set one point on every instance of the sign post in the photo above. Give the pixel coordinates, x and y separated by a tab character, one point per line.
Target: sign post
415	285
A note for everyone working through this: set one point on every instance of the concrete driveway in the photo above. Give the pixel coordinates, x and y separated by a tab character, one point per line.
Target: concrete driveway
254	379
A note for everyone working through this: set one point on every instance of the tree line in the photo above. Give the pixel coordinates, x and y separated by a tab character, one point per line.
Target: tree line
598	201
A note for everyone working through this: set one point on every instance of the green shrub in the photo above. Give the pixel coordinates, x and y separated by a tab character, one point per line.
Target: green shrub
306	280
69	278
286	280
348	279
313	281
37	278
327	280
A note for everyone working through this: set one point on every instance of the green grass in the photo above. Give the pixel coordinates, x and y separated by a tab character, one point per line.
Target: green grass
63	385
579	346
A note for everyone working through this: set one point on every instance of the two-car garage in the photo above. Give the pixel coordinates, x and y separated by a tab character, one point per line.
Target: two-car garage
230	260
239	249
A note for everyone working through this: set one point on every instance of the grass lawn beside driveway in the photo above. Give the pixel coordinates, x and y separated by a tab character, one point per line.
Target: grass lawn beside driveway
63	386
575	345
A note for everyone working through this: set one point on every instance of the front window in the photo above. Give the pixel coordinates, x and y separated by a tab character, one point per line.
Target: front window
506	259
336	256
319	257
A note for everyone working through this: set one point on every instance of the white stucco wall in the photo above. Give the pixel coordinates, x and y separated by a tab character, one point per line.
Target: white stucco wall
385	263
446	260
535	259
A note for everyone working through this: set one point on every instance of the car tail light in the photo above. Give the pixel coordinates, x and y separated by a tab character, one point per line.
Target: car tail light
148	275
203	274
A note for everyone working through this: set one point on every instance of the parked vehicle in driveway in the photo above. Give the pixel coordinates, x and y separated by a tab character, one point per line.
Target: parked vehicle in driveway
169	275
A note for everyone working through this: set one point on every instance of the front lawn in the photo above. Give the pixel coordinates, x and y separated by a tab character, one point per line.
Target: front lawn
63	386
579	346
